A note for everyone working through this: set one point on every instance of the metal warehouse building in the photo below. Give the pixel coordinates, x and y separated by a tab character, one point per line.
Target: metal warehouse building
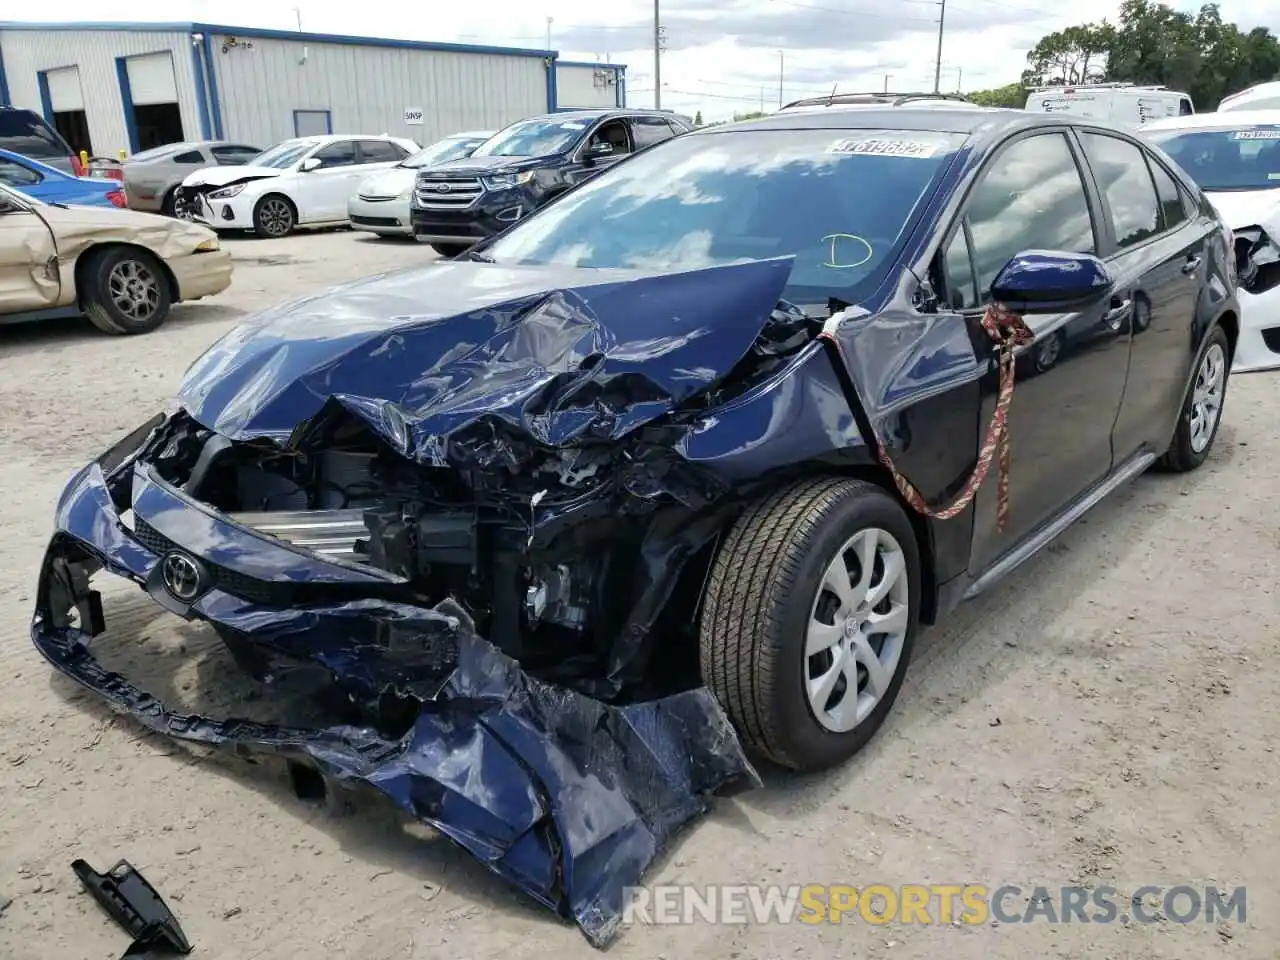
130	86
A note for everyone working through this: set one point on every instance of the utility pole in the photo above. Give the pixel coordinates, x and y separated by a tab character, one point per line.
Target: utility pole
657	55
959	79
781	58
886	82
937	70
762	99
550	21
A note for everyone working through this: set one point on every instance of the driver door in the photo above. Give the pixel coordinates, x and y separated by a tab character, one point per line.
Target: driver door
29	276
322	193
1034	195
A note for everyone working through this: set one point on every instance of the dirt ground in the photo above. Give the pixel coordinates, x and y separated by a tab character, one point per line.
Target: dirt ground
1106	716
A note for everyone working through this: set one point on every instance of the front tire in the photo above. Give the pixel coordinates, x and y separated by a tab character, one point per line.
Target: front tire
126	291
274	216
809	619
450	250
169	205
1201	413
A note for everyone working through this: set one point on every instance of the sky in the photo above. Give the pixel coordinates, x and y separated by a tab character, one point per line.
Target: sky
721	56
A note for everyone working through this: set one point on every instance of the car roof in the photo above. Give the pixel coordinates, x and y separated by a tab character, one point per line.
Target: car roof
936	118
1208	121
594	113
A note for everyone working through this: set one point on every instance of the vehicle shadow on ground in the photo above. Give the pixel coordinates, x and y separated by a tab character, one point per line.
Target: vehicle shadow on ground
19	338
186	666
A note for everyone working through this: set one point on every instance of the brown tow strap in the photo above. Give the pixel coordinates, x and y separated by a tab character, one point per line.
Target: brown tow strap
1007	331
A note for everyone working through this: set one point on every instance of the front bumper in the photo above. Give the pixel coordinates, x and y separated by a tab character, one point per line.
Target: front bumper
388	216
1259	344
492	213
233	214
565	797
201	274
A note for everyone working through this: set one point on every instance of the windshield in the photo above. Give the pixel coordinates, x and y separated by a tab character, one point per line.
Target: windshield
282	155
838	200
1246	157
452	149
533	138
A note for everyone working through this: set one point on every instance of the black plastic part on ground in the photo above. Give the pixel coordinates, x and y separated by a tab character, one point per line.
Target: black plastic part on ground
134	904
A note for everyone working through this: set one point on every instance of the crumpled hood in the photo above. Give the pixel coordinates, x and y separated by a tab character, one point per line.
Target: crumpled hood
558	353
387	183
1247	208
221	176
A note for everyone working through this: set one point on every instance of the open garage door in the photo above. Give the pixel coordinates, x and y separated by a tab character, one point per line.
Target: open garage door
66	101
153	100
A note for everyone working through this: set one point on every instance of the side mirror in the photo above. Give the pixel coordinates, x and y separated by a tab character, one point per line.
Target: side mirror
1050	281
598	150
309	164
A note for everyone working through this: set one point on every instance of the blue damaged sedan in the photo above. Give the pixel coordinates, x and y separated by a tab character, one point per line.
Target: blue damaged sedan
666	476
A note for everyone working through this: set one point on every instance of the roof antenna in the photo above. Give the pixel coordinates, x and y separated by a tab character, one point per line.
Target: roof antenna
831	98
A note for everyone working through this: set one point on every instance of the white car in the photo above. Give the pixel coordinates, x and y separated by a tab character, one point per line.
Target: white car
1235	158
304	182
381	203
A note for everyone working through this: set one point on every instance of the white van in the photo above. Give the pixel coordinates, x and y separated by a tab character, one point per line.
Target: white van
1261	96
1124	103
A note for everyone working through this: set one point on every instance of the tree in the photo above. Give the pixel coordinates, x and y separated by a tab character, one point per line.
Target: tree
697	119
1010	95
750	115
1075	55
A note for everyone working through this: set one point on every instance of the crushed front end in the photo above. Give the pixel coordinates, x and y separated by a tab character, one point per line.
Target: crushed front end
1258	273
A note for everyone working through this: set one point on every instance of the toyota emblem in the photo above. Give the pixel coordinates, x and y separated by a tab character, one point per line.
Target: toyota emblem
182	576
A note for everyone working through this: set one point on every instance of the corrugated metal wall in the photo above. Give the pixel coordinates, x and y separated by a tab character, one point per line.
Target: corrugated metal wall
576	86
368	89
94	51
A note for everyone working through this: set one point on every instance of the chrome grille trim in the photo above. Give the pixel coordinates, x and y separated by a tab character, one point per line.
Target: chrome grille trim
331	534
462	193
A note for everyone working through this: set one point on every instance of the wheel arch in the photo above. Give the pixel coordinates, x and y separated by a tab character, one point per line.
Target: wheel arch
91	254
276	192
1230	324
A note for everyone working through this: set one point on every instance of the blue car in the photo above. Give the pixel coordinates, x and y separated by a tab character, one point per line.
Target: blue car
51	185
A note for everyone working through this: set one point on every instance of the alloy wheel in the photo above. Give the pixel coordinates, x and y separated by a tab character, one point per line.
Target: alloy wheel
857	629
276	217
1206	397
134	290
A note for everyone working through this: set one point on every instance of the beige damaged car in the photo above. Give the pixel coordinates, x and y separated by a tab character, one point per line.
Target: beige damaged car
121	269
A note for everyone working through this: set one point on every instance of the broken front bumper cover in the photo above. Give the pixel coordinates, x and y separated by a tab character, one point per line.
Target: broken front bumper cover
566	797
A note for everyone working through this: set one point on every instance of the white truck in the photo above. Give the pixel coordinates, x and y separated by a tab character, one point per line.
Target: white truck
1123	103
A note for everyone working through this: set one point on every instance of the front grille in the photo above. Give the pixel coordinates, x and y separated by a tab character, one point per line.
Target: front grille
224	579
372	199
439	192
375	221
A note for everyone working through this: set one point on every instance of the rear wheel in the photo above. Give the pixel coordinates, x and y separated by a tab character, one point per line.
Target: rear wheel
125	291
274	216
450	249
809	619
1202	410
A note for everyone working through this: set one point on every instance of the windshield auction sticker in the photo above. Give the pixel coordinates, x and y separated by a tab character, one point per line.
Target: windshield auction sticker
904	147
1257	133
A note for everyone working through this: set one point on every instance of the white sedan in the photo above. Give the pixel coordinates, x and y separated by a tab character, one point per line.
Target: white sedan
381	203
304	182
1235	158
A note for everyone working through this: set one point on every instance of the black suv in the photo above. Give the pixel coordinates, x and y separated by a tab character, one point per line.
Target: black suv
523	166
25	132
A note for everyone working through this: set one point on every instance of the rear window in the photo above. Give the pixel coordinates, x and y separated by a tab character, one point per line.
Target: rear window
1245	157
23	132
156	152
839	201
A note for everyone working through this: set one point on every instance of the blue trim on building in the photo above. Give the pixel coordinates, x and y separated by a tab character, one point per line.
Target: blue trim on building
4	84
616	67
46	101
552	91
328	121
264	34
126	98
202	96
215	102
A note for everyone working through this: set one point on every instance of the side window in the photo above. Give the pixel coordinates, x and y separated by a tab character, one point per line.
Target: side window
957	274
649	130
1173	212
380	151
190	156
1184	107
1121	171
340	153
613	133
1032	197
16	175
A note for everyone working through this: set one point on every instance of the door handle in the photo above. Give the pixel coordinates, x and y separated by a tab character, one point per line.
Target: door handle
1192	263
1116	315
